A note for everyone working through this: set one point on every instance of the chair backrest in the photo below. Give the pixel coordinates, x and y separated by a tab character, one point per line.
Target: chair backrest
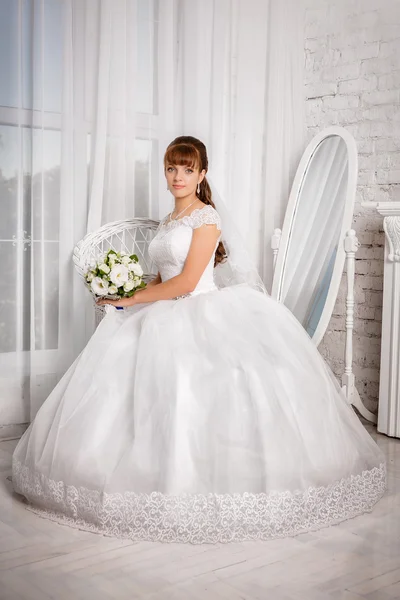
129	235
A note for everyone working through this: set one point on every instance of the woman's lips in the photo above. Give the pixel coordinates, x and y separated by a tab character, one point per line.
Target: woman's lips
178	187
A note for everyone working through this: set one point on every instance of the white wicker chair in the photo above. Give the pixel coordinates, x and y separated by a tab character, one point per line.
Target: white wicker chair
129	235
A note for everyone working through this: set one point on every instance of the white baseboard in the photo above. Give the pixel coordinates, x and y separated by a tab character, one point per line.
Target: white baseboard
12	432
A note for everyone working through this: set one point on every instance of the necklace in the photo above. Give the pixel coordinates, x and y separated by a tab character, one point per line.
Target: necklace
182	211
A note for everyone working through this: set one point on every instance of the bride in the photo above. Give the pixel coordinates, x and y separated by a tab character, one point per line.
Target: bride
200	413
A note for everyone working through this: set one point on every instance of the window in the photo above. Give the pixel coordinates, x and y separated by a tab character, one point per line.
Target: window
30	71
31	68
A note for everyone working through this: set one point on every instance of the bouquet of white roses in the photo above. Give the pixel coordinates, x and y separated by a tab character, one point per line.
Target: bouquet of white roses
116	275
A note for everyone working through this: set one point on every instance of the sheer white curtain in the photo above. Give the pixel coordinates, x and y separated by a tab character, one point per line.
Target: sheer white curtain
98	89
240	89
33	220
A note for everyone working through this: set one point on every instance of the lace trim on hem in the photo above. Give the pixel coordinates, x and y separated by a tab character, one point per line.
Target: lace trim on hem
200	518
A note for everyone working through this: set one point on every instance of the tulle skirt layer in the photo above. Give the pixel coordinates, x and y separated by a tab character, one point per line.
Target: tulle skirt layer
210	418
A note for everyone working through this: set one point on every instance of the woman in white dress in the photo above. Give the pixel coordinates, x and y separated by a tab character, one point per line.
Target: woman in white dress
198	413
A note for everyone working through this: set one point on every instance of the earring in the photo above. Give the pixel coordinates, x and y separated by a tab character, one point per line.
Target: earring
198	189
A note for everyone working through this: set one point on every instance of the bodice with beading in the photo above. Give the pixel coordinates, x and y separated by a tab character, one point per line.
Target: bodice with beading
170	246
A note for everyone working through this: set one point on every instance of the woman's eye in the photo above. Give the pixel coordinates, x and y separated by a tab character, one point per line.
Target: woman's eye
170	169
189	170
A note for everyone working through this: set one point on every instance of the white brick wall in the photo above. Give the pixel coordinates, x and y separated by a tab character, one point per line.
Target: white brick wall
352	53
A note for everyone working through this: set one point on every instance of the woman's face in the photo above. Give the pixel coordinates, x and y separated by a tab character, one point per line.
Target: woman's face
183	180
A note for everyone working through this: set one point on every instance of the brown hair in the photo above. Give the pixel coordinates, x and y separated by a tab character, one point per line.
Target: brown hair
191	152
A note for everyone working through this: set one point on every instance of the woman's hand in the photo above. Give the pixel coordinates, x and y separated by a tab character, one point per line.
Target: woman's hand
120	302
133	299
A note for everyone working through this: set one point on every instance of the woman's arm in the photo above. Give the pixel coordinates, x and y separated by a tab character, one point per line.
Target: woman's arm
199	255
155	281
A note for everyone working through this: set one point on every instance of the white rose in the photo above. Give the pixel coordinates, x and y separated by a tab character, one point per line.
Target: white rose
89	276
136	282
104	268
99	286
112	290
125	260
129	285
136	268
119	275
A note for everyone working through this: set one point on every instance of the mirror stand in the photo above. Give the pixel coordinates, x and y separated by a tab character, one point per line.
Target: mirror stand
275	241
351	245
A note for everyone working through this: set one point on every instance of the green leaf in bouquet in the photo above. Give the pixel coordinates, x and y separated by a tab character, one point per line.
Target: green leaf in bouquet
141	286
111	251
134	257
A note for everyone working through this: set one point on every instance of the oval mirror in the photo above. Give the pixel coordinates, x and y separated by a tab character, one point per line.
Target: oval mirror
311	253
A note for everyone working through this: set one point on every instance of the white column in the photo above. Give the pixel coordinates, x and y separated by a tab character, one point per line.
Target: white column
389	387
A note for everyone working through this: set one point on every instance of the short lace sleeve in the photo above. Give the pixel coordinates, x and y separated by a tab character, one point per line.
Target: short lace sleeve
205	216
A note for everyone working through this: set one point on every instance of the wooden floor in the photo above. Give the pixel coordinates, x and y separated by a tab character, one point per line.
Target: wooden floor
357	559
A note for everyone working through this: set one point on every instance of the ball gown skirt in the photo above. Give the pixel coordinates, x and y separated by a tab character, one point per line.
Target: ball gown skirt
210	418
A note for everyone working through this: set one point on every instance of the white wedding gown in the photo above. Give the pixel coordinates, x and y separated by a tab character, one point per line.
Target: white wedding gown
208	418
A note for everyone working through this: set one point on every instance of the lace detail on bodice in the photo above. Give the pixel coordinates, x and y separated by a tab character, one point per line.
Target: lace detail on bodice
198	217
170	246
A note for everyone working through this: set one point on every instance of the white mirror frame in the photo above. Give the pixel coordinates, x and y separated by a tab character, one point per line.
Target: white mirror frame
284	241
347	248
